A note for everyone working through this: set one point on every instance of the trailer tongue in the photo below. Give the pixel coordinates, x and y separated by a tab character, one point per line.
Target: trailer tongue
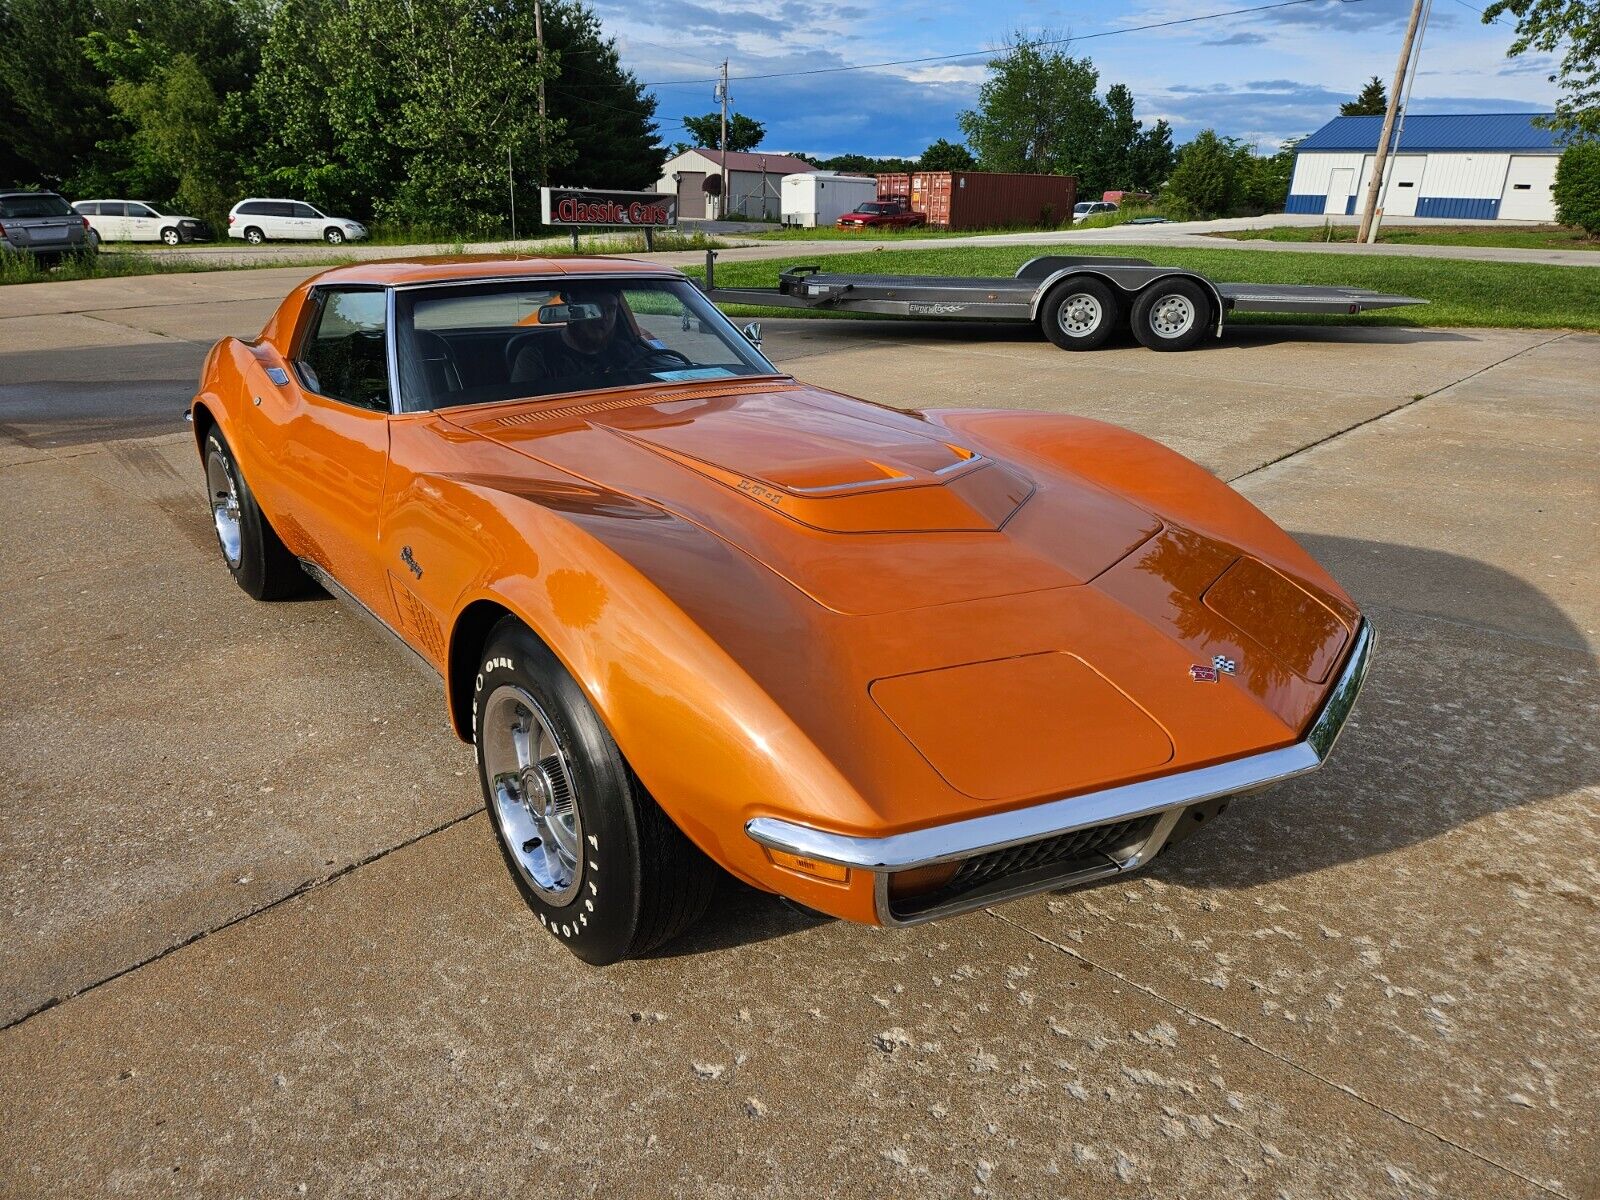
1079	301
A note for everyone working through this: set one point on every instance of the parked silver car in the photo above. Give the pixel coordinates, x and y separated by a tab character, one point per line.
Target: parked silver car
43	224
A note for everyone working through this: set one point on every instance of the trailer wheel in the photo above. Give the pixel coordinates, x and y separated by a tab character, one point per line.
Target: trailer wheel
1080	314
1172	314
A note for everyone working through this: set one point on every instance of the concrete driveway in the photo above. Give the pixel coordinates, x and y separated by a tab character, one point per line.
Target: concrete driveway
255	938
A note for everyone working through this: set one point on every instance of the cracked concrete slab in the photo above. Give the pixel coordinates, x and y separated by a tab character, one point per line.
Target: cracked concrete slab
406	1031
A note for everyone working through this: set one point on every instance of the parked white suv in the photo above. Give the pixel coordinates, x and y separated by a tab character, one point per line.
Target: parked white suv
136	221
257	221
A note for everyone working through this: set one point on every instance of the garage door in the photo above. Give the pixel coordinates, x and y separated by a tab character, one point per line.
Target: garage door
691	195
1528	182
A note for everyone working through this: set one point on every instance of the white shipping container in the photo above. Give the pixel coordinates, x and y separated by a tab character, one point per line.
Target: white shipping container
820	198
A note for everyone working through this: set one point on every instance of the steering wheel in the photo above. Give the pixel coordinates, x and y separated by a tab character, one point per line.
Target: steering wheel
649	360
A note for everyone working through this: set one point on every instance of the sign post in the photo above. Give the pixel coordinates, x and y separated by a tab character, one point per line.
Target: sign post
575	207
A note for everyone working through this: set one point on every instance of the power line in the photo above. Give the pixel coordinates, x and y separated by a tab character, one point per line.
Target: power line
932	58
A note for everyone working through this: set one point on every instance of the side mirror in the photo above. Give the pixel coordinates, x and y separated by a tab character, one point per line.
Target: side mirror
564	314
752	334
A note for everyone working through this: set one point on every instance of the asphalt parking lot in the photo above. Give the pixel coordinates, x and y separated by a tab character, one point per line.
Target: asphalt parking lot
255	938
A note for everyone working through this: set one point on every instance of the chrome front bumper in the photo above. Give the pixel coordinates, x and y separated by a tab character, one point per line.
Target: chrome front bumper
1164	798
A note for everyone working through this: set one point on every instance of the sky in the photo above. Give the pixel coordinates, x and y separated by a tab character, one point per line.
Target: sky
1263	76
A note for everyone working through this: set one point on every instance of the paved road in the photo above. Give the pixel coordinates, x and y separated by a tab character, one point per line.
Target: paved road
255	938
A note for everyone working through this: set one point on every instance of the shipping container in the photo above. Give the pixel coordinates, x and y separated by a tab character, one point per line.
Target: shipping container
894	185
990	200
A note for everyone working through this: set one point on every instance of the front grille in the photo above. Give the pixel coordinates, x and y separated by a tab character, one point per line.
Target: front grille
1048	858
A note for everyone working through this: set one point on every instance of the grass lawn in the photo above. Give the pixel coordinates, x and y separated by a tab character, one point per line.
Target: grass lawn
1543	237
112	264
1461	293
832	233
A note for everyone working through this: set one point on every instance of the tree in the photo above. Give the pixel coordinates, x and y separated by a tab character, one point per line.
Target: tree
744	133
1371	101
1119	141
862	164
1264	179
57	103
1547	26
1205	181
611	144
1577	187
946	156
1150	161
1037	111
173	146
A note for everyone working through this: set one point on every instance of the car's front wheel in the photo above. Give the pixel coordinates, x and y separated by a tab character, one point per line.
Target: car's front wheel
170	236
335	237
603	868
256	559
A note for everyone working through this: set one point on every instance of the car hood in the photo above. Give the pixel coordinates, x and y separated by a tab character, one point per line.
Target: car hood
865	509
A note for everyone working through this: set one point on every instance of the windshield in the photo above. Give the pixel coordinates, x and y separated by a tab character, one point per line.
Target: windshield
544	337
40	204
874	208
1082	208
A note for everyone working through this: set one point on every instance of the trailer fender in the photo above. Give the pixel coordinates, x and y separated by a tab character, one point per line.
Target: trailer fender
1130	281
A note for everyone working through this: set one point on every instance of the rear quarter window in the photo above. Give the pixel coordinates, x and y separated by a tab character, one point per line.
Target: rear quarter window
39	204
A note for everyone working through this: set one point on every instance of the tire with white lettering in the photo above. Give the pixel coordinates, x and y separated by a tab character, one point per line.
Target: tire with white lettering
603	868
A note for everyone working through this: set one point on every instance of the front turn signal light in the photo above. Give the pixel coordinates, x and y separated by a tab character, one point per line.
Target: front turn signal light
826	871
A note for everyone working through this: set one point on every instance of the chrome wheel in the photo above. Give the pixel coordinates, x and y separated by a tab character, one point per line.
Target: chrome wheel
170	237
223	491
334	237
1172	316
533	797
1080	315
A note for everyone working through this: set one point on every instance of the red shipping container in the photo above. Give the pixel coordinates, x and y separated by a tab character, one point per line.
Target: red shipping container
990	200
890	186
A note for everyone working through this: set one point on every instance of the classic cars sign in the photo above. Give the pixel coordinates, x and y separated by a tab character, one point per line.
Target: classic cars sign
583	206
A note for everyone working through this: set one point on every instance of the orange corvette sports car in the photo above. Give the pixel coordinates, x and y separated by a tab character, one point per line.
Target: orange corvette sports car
694	613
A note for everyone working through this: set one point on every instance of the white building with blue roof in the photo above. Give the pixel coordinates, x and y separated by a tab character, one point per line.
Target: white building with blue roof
1478	166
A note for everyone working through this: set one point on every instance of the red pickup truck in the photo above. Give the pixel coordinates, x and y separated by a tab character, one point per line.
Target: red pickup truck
882	214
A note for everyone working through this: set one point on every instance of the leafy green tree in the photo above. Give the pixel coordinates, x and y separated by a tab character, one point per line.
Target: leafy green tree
1577	187
174	146
744	133
945	155
863	164
1205	181
54	98
1572	27
1037	111
1371	101
1119	140
1264	179
611	143
1152	157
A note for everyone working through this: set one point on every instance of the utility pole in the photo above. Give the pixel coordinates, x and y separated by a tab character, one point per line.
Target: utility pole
1380	159
538	37
1400	125
511	182
722	94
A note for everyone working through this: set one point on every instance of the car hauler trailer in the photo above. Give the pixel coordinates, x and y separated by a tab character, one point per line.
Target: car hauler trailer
1079	301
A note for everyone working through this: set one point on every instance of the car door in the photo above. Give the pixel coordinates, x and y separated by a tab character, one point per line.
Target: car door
141	223
325	433
307	222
